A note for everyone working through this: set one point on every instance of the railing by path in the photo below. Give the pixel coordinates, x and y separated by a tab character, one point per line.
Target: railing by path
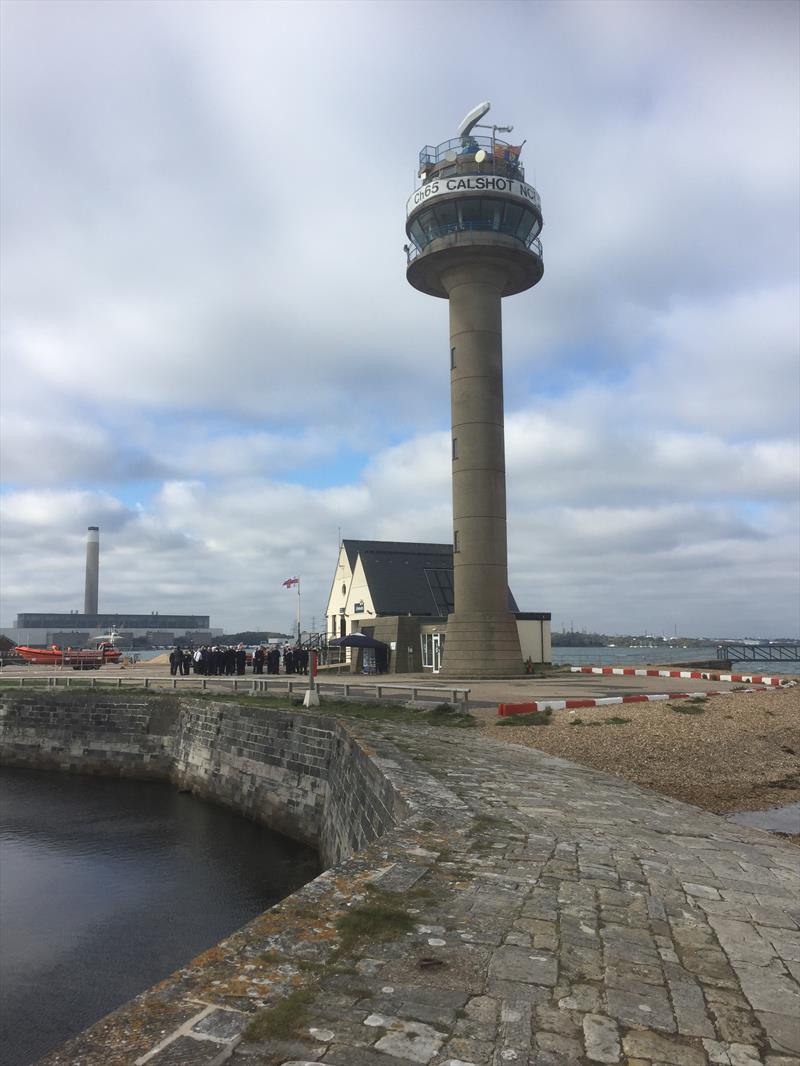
250	685
786	652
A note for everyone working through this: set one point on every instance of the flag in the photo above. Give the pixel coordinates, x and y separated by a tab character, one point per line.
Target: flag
291	581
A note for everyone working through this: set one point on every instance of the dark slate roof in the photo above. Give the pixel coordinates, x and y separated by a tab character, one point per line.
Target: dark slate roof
355	547
407	578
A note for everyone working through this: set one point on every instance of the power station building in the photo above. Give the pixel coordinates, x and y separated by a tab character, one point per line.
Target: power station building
473	227
402	594
75	629
41	629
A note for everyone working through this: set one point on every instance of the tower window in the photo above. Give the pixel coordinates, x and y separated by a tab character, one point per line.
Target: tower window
455	447
452	358
456	544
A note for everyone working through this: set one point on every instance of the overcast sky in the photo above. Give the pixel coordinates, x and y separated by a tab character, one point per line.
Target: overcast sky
210	349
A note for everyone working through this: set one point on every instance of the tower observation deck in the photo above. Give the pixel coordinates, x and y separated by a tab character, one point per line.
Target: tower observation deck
473	226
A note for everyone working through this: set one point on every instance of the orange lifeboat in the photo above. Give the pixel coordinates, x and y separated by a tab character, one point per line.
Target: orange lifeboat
83	659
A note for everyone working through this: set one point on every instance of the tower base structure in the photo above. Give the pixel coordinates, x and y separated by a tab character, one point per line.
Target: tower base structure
482	644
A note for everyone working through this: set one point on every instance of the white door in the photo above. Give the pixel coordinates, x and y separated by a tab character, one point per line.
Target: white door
437	656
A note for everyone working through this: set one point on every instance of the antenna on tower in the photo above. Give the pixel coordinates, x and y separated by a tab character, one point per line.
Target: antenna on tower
473	118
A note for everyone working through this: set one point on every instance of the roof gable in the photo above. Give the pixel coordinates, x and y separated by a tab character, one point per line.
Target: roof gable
407	577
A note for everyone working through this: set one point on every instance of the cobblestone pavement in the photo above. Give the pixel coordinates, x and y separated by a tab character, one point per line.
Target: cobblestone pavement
559	917
573	918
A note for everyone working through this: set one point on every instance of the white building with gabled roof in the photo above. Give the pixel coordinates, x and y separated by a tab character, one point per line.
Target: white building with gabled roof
402	593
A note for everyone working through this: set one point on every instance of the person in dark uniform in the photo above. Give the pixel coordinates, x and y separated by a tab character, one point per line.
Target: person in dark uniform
258	661
240	658
174	657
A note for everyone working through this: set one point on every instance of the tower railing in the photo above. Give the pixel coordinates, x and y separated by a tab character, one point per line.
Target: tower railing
533	244
499	151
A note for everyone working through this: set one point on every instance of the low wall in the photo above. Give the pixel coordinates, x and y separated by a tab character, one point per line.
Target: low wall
304	775
269	765
131	737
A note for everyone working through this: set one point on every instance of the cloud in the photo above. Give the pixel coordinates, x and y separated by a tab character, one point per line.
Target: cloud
729	364
225	547
38	452
210	350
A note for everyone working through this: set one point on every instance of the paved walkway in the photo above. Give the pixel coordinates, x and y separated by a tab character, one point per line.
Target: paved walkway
574	919
482	693
560	917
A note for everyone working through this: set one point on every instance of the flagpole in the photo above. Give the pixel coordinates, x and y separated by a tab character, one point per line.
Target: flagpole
298	610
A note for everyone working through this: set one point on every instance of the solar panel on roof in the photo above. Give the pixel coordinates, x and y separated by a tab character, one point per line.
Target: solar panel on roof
440	583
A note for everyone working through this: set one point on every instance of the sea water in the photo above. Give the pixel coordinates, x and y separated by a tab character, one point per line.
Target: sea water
107	886
644	656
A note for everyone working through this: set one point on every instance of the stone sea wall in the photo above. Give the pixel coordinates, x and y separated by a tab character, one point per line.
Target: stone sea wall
102	735
304	775
363	802
272	766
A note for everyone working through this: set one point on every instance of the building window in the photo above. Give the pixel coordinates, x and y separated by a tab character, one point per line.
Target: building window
455	447
452	358
344	590
456	541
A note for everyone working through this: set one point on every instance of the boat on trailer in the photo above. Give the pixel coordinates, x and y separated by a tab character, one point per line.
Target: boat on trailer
78	658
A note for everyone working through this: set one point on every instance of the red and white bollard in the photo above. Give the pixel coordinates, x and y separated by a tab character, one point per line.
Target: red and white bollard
311	698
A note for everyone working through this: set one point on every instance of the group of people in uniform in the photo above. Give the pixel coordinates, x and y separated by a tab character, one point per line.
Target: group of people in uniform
220	660
268	660
210	660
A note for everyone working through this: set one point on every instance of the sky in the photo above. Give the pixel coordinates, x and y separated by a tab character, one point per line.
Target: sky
210	350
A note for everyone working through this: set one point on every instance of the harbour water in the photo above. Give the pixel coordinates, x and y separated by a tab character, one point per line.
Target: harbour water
629	657
107	886
645	656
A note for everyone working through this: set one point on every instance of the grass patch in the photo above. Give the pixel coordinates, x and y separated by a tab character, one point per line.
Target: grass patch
444	714
606	721
284	1020
378	918
83	691
267	957
442	708
484	822
364	710
687	708
536	718
306	965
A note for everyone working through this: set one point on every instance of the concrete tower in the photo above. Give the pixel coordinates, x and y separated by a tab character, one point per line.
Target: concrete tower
473	226
92	570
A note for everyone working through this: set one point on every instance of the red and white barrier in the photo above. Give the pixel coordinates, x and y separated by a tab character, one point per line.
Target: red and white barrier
506	709
697	675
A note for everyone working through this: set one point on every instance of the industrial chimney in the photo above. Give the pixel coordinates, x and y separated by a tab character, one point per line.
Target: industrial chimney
92	569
